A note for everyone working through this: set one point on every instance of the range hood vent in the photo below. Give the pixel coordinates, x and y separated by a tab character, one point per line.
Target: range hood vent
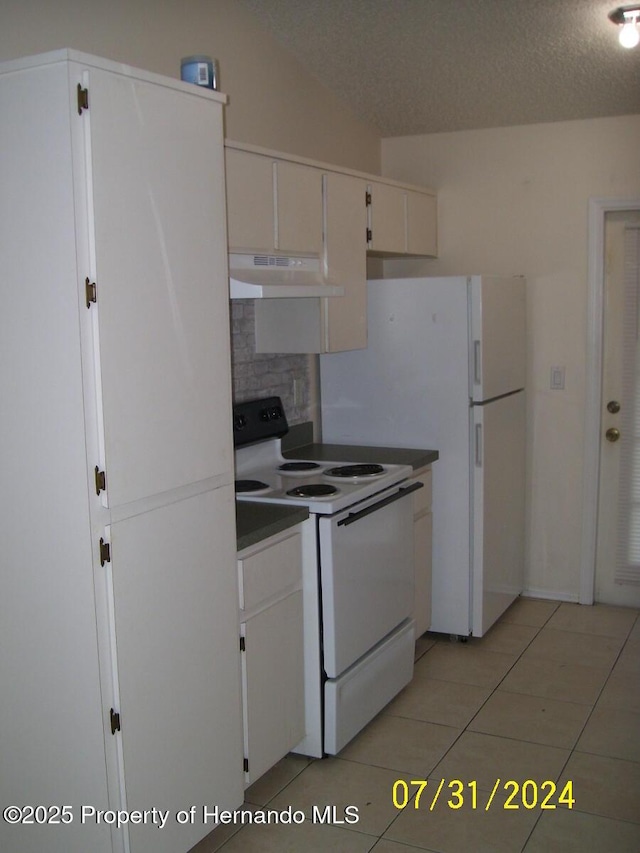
278	276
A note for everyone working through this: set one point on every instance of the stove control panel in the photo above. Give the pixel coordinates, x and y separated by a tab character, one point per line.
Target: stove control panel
257	420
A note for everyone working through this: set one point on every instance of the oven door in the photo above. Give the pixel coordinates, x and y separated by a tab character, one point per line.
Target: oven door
367	578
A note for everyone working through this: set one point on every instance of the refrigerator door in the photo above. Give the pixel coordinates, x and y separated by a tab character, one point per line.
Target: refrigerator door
497	345
497	472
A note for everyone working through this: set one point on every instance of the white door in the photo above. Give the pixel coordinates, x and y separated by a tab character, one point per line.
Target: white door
617	573
174	588
157	186
498	470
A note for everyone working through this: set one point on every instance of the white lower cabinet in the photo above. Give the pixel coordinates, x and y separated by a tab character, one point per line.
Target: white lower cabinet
176	664
422	543
271	642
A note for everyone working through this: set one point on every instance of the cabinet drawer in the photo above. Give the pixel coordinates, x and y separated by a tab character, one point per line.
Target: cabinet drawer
422	498
271	571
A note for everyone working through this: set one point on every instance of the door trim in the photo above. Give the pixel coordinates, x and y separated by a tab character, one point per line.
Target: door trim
598	209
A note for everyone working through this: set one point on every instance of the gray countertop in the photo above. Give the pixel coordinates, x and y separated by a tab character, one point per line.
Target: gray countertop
356	453
257	521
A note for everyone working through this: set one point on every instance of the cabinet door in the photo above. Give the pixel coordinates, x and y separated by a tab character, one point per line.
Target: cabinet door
273	682
345	317
421	224
250	201
175	612
298	208
159	247
388	219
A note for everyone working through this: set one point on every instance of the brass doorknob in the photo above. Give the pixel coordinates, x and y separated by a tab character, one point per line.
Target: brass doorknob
612	434
613	406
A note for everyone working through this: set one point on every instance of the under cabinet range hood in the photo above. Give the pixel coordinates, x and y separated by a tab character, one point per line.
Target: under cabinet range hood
278	276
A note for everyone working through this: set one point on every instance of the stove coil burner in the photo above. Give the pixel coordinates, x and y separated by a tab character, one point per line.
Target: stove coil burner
251	486
313	490
298	467
355	471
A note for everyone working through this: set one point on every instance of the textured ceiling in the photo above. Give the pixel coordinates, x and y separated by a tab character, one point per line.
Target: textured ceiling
424	66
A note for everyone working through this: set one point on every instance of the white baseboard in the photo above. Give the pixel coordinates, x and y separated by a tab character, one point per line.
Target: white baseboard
553	595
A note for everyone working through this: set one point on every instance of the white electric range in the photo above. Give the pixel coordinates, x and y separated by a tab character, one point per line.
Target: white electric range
358	574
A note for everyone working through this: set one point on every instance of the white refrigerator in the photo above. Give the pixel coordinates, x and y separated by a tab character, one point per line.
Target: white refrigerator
444	369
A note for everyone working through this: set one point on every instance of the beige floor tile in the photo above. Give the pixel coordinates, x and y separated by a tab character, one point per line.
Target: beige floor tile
621	691
214	841
556	680
463	830
507	637
532	718
629	660
598	619
484	758
334	782
464	662
274	780
385	846
604	786
573	647
612	732
564	831
221	834
635	631
409	746
423	644
446	702
530	611
310	837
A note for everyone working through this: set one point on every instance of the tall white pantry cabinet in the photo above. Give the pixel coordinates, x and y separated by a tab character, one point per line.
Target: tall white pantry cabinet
119	663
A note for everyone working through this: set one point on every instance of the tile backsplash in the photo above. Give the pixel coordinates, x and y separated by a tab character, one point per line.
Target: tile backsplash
266	374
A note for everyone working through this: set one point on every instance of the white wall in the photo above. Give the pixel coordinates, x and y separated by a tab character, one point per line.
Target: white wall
273	102
514	200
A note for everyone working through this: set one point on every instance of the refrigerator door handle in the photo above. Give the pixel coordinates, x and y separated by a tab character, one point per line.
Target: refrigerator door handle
477	375
478	445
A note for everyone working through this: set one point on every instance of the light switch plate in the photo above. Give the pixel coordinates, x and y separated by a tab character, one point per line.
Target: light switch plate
557	379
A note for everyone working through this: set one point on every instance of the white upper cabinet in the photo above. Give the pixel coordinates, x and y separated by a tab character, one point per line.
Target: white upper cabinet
298	208
345	317
335	323
283	204
273	205
156	297
387	219
402	221
250	202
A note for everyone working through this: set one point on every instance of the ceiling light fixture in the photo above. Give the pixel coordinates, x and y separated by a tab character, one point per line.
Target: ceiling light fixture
628	19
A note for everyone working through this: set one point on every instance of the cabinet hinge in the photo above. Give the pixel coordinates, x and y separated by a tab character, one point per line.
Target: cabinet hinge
367	198
101	481
115	721
105	552
90	291
83	99
245	765
369	235
243	645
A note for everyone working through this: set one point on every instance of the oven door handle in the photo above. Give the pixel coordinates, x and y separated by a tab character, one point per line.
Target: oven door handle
401	493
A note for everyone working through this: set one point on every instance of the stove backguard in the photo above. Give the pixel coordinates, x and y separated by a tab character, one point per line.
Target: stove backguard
257	420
